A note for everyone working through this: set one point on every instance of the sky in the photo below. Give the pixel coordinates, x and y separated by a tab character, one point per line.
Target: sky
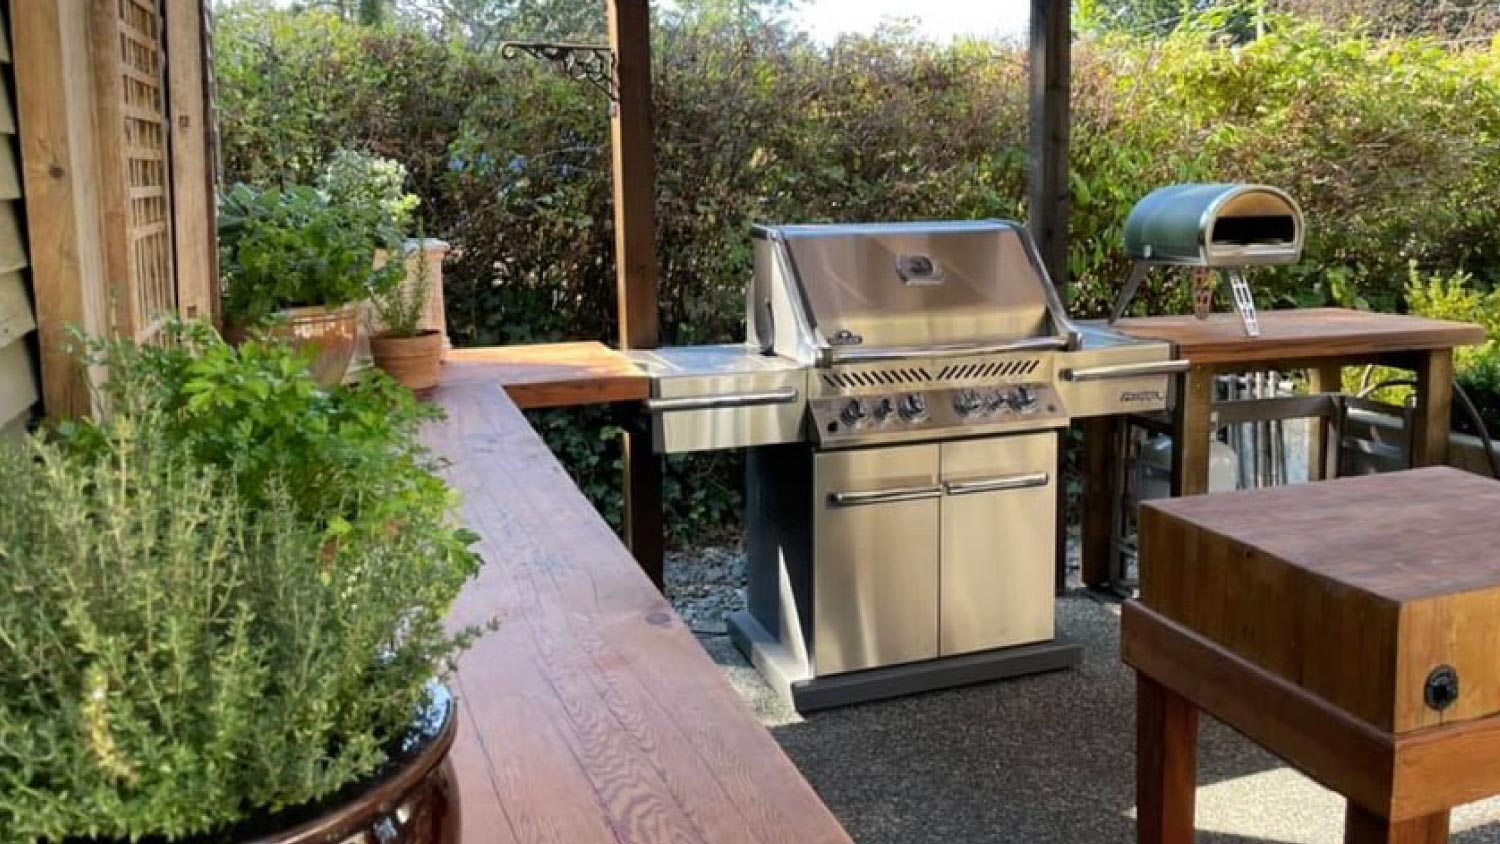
940	19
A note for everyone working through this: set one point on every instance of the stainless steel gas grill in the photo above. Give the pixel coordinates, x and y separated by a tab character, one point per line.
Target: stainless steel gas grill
900	391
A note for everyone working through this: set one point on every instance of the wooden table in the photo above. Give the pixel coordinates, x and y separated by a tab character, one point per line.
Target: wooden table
592	715
1325	623
1320	340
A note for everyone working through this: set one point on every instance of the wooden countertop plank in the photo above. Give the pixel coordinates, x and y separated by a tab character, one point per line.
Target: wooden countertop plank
551	374
1305	334
592	714
1400	536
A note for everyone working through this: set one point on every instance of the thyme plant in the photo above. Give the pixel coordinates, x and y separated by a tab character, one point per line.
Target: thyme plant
194	630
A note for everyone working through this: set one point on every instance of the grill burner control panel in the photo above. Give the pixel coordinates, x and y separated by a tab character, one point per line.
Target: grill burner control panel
855	420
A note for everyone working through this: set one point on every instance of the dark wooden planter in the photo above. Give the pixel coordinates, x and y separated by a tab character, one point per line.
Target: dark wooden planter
412	800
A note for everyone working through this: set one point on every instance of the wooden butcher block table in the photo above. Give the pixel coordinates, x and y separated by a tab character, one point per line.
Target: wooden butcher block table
1350	627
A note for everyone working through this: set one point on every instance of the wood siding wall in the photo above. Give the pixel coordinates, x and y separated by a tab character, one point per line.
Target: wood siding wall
19	389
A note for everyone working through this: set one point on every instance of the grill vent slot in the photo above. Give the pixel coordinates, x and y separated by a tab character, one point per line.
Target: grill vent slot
856	379
993	369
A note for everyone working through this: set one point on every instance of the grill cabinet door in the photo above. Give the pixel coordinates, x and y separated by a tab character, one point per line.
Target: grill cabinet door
875	580
999	523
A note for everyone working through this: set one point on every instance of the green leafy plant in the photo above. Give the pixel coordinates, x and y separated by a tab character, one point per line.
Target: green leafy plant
1476	368
190	635
293	246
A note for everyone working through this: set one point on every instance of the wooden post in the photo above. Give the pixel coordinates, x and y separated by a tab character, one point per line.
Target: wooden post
1364	827
635	260
193	213
54	94
1100	499
1429	442
1323	449
1166	768
634	174
1051	74
1192	422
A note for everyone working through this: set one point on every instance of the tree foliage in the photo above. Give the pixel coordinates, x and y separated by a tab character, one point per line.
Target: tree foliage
1389	145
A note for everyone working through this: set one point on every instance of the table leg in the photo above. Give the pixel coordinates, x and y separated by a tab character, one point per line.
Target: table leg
1322	450
1191	420
1429	442
644	534
1364	827
1100	466
1166	767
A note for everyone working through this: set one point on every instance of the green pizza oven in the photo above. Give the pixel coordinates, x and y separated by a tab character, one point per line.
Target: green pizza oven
1215	226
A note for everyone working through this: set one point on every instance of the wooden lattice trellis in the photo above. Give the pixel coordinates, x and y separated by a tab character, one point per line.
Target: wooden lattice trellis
130	71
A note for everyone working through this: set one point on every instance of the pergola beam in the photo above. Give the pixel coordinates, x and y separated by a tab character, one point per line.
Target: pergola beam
1051	113
631	130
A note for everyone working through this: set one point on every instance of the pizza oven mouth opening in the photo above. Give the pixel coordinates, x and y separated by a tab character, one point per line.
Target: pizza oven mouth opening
1280	229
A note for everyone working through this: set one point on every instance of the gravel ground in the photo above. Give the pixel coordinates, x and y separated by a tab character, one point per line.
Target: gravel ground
1036	760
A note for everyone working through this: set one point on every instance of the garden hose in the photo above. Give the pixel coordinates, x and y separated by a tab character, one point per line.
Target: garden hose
1464	401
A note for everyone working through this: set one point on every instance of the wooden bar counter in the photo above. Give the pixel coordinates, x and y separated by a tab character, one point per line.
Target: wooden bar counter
551	374
1320	340
592	715
1348	627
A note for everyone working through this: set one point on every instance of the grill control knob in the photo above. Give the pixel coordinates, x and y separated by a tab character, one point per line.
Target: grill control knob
913	407
884	407
996	402
853	413
967	402
1023	399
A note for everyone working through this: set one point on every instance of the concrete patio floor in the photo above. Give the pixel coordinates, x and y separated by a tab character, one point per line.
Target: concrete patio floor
1039	760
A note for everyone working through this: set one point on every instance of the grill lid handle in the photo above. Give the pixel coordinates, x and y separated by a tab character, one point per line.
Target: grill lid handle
786	395
898	353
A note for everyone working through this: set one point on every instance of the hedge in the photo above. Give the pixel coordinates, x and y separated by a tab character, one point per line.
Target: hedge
1390	146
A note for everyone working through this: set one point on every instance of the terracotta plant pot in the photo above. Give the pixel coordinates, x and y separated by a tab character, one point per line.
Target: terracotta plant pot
413	361
331	334
412	800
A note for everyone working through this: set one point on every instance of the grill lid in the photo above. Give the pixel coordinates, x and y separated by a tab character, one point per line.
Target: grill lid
874	291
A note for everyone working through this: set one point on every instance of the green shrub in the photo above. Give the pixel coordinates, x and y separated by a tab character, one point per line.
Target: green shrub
190	635
1388	145
1476	368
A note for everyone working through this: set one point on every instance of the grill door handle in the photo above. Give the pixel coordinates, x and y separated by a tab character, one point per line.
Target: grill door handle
1125	370
884	496
786	395
1000	484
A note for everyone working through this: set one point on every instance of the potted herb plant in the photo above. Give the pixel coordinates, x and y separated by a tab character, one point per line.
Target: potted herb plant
297	263
224	609
402	345
403	339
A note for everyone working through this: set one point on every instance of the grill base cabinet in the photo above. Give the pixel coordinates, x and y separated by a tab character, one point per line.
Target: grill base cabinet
886	571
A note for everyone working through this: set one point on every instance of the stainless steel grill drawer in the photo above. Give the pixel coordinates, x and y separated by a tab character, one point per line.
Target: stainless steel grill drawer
712	397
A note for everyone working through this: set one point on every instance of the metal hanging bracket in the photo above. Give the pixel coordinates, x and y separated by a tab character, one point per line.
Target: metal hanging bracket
591	63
